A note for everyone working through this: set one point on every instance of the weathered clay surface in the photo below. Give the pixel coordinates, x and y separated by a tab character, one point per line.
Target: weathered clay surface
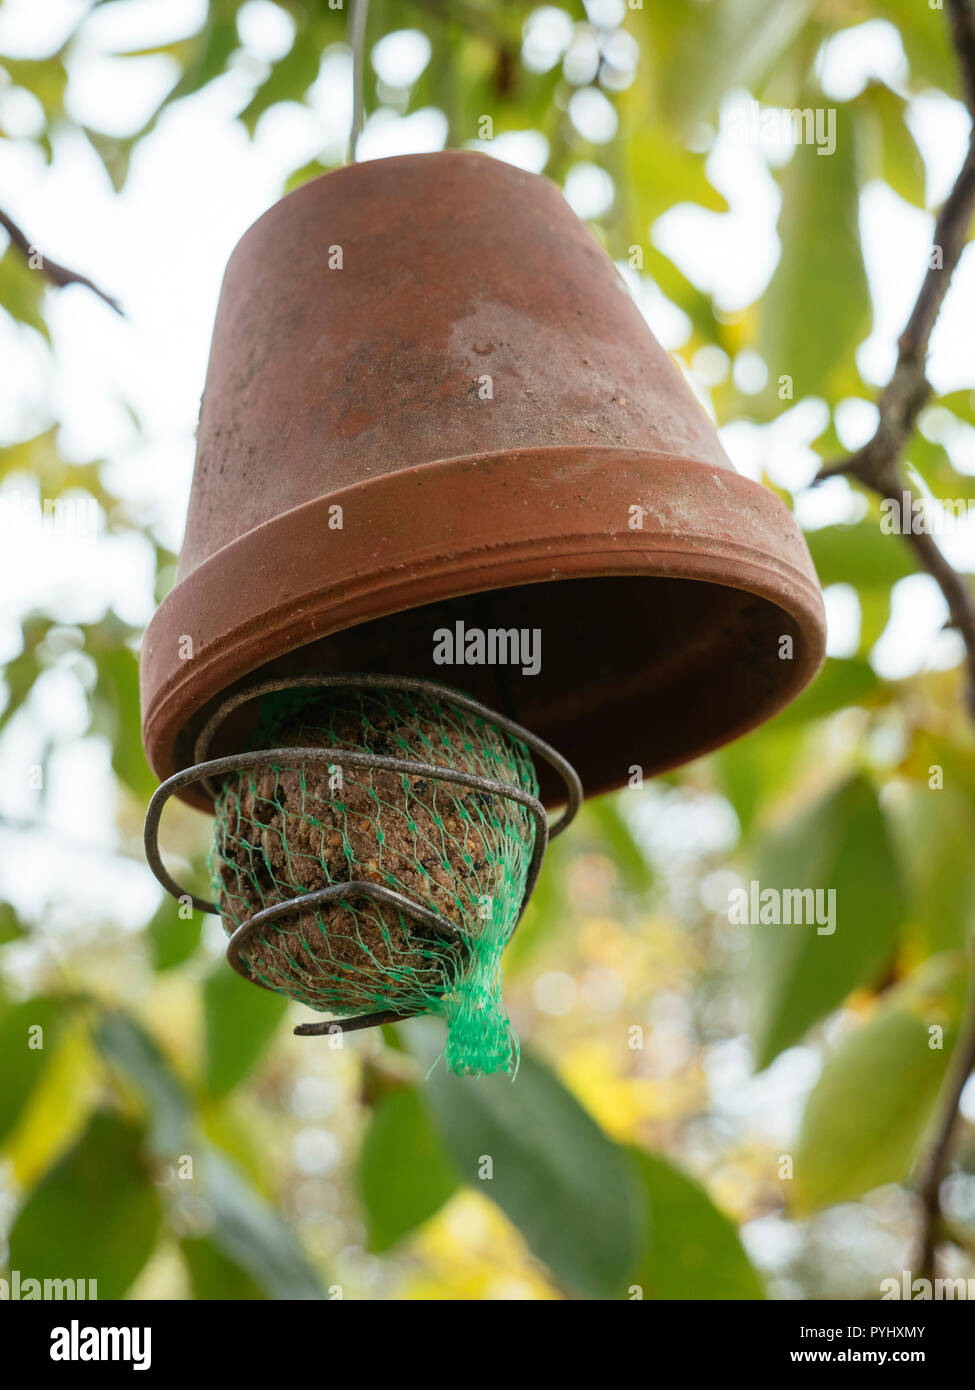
437	346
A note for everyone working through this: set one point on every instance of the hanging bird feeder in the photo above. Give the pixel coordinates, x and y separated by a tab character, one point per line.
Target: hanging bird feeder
454	508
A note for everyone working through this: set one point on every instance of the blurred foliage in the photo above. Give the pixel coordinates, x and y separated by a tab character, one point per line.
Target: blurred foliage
159	1128
846	1150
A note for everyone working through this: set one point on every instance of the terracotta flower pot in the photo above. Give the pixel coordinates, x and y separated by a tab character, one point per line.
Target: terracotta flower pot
431	401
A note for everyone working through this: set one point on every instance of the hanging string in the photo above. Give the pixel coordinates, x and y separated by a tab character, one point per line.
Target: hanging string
358	13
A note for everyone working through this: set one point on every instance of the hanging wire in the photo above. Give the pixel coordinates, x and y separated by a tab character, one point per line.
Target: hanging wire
358	15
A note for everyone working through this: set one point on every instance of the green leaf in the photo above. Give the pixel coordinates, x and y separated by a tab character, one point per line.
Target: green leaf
840	844
241	1020
213	1275
861	555
755	769
874	617
947	759
960	403
546	908
890	149
249	1252
731	43
116	714
115	154
38	454
213	46
483	74
935	830
22	291
932	462
840	683
817	305
672	282
10	925
867	1117
46	78
312	170
128	1047
289	80
692	1251
927	42
659	172
555	1174
405	1176
23	1060
251	1235
95	1215
606	814
174	934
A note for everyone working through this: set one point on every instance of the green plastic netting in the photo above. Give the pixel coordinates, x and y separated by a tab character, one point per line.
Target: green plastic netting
286	829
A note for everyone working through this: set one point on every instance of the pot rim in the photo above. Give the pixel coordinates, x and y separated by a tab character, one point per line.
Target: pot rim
292	580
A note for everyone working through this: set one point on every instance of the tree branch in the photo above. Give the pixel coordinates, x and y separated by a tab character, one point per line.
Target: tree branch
877	466
929	1184
57	275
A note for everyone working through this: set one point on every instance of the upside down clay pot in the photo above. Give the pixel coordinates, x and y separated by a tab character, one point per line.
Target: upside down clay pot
437	438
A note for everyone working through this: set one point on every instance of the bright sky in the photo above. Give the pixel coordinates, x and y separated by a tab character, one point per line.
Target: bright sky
161	246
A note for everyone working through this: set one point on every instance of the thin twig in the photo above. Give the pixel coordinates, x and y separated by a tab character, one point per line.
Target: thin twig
877	466
57	275
929	1184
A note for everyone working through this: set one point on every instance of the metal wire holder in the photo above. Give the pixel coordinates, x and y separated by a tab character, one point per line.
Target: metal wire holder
205	769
